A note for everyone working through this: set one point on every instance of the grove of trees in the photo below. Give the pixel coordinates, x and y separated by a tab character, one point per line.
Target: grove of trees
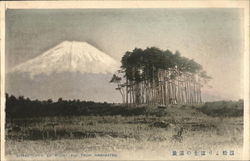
153	76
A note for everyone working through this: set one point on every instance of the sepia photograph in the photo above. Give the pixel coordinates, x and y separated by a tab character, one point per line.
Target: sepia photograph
124	82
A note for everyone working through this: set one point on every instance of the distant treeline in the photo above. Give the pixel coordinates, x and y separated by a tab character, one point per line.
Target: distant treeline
21	107
223	108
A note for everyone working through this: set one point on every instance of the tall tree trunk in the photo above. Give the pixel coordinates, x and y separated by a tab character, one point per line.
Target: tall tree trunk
127	91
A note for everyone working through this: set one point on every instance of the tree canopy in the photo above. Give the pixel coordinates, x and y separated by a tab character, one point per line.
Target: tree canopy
142	64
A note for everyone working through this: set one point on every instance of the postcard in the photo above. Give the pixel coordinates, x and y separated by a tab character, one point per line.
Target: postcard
125	80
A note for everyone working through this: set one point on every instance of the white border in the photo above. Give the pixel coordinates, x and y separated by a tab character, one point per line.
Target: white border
244	4
2	58
128	4
246	149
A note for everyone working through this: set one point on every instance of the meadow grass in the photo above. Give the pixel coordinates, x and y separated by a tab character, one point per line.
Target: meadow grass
125	134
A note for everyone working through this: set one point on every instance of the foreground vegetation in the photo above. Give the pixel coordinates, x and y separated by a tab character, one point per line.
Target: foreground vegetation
66	127
150	129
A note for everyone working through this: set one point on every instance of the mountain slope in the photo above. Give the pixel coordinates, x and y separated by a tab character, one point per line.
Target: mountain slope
70	57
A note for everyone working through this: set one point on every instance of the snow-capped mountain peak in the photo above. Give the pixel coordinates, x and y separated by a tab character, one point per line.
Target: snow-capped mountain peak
69	56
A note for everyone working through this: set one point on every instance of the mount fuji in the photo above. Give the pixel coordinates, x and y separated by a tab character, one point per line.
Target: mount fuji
70	70
70	57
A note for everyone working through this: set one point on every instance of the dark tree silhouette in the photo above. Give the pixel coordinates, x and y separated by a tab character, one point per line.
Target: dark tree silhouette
154	76
26	108
116	79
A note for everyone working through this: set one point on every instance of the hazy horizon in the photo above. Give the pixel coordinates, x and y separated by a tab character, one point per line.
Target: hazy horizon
212	37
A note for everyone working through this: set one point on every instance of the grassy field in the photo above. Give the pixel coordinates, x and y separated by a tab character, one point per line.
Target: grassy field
125	137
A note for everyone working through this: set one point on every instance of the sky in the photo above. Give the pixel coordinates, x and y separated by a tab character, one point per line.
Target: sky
212	37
